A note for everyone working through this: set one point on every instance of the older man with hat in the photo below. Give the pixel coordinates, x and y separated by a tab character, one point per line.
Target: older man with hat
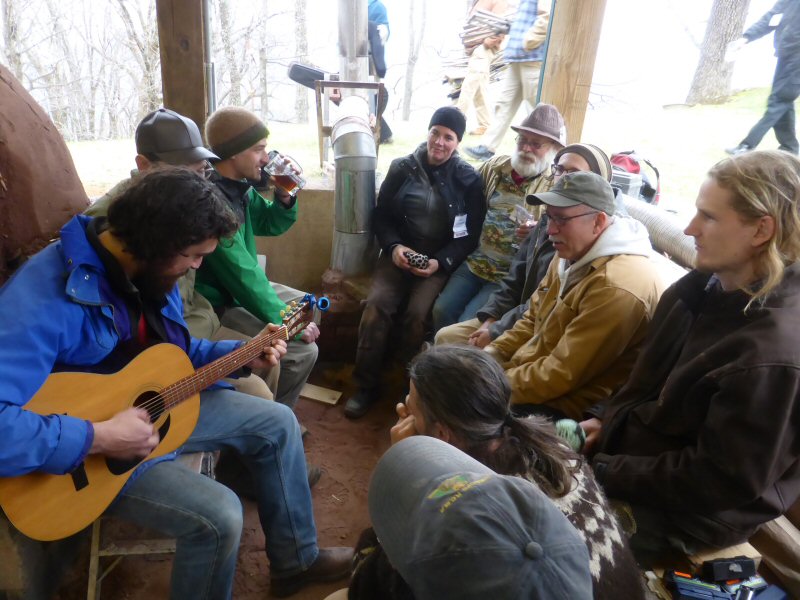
529	265
507	180
577	342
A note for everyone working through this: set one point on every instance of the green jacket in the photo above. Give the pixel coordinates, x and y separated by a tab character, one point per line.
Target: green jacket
231	275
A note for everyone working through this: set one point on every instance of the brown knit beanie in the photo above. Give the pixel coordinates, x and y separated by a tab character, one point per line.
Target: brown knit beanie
544	120
597	159
231	129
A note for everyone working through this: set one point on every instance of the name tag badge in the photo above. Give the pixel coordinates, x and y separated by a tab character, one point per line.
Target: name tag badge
460	226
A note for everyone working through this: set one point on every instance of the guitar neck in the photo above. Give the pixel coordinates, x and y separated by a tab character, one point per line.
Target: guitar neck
225	365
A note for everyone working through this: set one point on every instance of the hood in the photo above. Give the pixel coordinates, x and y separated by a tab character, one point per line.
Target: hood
625	235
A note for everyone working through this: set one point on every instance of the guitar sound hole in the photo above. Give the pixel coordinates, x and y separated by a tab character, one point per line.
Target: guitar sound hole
154	407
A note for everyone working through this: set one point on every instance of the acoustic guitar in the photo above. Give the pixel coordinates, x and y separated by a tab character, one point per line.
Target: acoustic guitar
161	380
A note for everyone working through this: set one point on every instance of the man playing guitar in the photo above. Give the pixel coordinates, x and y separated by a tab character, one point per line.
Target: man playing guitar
103	297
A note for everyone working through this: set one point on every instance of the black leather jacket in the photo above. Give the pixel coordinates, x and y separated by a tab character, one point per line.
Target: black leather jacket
417	210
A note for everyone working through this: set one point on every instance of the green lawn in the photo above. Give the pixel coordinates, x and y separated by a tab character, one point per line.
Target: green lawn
682	141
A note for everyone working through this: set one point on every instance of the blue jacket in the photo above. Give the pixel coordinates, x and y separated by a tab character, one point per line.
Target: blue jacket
55	315
376	12
787	28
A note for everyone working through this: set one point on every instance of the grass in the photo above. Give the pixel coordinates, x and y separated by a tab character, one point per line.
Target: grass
682	141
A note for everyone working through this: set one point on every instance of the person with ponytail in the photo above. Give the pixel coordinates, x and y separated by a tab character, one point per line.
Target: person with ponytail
460	394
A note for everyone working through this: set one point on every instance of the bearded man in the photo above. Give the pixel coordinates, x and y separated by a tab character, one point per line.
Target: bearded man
507	181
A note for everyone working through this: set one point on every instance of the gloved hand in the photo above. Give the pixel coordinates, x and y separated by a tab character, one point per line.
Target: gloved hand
383	33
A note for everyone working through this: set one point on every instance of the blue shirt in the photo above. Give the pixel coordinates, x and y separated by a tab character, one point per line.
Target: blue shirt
523	21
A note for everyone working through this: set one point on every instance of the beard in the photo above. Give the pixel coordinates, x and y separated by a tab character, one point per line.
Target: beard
154	282
527	164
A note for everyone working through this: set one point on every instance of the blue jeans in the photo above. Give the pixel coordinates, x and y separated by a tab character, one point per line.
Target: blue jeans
462	297
205	517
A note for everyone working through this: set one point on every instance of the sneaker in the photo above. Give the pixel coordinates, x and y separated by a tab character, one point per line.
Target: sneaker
332	564
359	403
479	152
737	150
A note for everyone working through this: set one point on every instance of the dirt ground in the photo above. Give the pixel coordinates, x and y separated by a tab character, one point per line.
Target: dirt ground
345	450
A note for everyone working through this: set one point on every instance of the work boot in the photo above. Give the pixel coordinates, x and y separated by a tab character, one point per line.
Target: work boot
359	403
737	150
480	152
331	564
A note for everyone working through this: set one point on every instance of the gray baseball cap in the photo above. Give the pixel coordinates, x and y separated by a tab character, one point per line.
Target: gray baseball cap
171	138
581	187
454	528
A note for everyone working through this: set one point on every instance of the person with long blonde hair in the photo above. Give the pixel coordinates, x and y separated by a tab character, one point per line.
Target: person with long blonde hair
701	443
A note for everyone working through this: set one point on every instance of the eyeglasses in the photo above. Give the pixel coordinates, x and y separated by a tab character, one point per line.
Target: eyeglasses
558	170
522	142
561	221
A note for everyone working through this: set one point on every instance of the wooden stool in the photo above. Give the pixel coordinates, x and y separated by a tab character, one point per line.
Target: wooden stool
202	462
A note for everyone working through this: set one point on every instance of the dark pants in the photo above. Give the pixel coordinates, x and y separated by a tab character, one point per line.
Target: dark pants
653	537
386	131
780	107
391	288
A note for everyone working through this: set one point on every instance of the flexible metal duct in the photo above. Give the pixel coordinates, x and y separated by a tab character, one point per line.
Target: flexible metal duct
354	150
666	233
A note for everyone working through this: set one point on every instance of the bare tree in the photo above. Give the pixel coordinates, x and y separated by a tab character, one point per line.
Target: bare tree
711	83
142	41
416	34
233	68
263	84
301	54
11	39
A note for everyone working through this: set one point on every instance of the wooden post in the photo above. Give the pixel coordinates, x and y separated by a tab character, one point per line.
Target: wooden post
574	38
180	36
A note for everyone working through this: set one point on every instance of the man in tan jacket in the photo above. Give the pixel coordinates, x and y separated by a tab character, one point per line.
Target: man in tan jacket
578	340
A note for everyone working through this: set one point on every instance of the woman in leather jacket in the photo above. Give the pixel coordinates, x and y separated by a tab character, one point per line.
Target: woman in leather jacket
428	218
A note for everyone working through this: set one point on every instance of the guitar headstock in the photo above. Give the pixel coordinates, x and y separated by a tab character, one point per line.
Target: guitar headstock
298	313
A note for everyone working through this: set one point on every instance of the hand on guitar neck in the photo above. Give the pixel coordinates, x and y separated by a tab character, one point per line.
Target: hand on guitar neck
272	354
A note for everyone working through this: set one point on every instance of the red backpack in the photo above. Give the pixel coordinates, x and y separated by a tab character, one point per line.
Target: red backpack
625	165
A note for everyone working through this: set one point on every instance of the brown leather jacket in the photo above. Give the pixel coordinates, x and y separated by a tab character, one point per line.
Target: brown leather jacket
707	427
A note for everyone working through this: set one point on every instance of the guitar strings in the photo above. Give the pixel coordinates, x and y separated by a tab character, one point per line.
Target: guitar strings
177	392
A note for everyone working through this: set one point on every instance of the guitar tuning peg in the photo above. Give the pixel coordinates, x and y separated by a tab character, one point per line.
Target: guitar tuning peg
283	313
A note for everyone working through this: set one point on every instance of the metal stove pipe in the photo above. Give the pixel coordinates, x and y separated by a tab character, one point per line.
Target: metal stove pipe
354	150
